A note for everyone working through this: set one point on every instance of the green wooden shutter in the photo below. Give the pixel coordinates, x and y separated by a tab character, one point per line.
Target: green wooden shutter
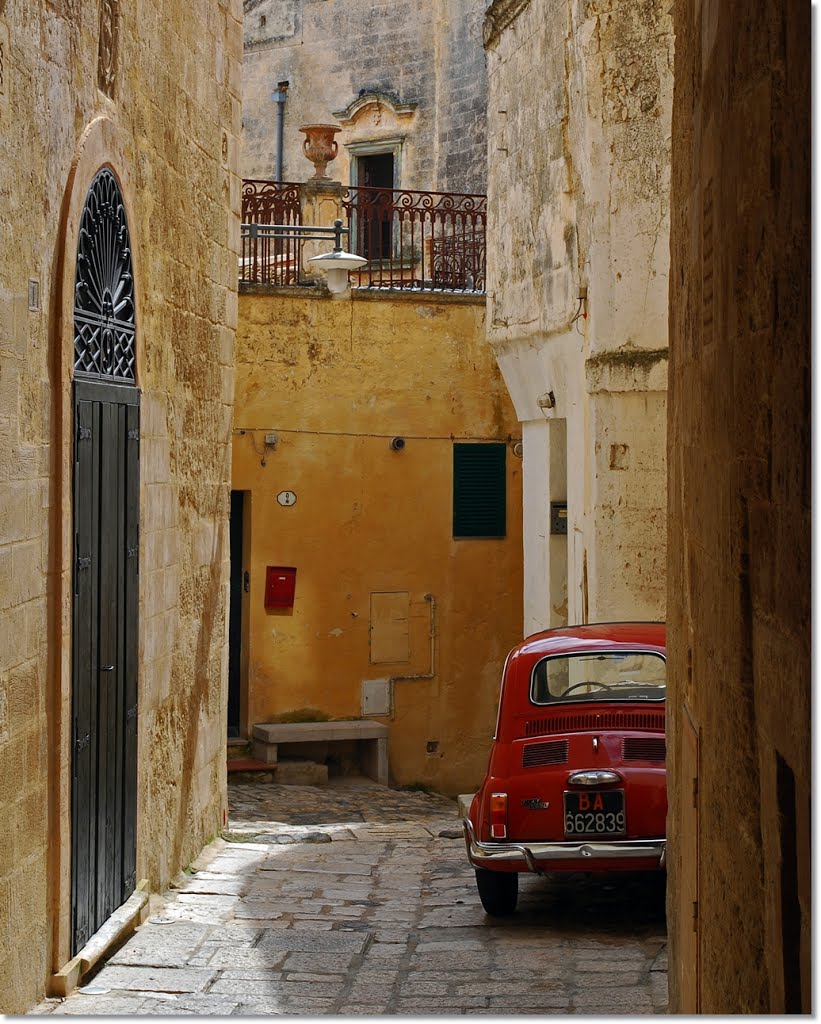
479	504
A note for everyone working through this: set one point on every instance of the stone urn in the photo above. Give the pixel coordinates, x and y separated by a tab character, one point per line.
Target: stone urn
320	146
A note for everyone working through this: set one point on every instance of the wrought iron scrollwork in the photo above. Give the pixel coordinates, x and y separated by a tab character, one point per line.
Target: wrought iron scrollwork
104	322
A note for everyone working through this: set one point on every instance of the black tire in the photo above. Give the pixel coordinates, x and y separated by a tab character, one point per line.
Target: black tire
498	891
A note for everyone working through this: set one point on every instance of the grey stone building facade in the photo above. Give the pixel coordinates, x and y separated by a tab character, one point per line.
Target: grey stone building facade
406	83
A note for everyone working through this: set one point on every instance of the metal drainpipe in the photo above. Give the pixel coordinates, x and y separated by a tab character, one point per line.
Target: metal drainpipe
279	98
432	673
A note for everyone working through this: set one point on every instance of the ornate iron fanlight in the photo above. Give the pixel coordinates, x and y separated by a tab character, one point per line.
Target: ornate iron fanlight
104	286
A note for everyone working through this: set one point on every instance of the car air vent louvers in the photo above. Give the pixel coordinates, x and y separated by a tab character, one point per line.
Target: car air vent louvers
645	748
536	755
592	720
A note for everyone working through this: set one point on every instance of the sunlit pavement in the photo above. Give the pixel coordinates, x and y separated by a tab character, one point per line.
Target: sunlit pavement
353	899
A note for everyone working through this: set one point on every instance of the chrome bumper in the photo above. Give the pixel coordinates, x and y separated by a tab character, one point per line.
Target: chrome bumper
486	854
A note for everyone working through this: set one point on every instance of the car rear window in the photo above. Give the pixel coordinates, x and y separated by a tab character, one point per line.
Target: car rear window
613	675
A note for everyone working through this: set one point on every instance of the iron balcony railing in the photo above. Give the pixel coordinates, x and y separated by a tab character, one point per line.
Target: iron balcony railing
268	257
428	241
411	239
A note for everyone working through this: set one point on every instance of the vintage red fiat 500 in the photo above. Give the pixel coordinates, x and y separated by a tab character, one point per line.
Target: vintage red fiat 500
576	778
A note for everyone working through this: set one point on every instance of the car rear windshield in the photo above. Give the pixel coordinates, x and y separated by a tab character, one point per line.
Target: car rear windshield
615	675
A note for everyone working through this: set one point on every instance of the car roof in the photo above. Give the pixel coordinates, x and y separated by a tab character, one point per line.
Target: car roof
595	636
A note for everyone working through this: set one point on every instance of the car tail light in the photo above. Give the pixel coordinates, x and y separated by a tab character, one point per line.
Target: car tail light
498	815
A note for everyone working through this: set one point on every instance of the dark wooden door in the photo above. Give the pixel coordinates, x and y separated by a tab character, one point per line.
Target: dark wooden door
235	614
104	671
376	172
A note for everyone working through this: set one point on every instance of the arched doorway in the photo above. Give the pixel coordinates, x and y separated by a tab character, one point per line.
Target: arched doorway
105	596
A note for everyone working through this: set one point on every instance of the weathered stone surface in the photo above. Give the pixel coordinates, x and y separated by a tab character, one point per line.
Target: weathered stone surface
162	945
153	94
526	964
740	580
155	979
578	222
434	99
319	942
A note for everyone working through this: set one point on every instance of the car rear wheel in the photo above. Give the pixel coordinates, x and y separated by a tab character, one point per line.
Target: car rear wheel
498	891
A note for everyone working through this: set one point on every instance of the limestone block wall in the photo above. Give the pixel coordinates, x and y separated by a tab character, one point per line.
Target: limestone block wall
578	180
157	99
419	67
739	512
335	380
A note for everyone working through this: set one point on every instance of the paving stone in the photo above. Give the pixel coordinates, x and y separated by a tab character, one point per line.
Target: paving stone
215	886
258	1010
314	941
199	1006
532	1000
423	988
610	978
256	959
249	974
457	961
248	987
356	1010
438	1006
456	945
299	976
257	910
616	999
331	962
116	1004
340	873
387	949
367	976
155	979
383	920
508	988
166	945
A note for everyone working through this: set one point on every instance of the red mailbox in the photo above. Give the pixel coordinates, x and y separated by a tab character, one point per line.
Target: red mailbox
280	584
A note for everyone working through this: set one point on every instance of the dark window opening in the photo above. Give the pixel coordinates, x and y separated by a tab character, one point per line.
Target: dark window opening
376	211
479	490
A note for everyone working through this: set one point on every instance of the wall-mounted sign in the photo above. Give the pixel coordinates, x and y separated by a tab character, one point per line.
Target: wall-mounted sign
286	498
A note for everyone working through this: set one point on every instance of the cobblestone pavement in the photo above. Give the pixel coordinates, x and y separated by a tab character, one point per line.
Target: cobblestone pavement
355	899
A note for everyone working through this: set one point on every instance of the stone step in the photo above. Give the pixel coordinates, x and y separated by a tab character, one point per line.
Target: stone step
248	764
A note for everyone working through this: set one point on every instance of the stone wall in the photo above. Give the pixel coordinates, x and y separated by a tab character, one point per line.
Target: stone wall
578	223
421	65
740	778
167	121
335	380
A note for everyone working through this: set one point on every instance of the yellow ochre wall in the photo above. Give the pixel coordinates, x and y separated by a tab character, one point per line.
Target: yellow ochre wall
335	380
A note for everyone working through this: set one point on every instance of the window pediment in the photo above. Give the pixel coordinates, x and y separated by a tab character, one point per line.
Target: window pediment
374	105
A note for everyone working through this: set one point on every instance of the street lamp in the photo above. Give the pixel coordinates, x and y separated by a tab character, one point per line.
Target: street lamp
338	263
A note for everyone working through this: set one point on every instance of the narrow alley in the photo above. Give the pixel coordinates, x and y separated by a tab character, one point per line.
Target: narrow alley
352	899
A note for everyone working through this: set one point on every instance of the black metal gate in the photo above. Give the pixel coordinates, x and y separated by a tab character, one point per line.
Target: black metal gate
106	505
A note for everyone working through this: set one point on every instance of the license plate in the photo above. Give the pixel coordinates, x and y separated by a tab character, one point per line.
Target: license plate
595	813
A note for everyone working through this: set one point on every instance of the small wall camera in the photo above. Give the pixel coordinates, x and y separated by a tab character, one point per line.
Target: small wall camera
397	444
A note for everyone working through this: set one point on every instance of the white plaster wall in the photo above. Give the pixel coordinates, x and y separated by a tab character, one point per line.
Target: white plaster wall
578	182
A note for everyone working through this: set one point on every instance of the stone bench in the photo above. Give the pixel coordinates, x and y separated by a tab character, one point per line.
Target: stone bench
371	740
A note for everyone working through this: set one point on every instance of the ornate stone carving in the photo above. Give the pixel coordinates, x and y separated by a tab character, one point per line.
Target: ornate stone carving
498	16
107	53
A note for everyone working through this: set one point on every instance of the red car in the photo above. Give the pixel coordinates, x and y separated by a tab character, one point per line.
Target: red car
576	779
